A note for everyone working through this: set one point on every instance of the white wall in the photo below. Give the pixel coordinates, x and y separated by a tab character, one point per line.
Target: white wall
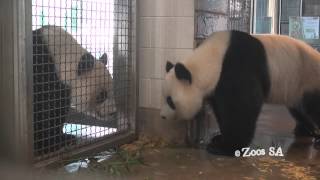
166	32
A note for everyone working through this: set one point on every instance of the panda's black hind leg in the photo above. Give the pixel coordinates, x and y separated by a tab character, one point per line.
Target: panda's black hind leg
311	106
307	116
303	126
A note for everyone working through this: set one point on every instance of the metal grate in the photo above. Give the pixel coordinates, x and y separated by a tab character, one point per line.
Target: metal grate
81	73
239	15
212	16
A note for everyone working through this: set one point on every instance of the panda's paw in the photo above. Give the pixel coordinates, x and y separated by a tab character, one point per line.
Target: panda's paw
217	140
302	131
216	147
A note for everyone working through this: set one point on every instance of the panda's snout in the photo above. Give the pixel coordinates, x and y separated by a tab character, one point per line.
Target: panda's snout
166	113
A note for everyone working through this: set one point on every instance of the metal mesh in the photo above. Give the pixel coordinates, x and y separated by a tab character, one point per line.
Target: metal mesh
81	81
239	15
211	16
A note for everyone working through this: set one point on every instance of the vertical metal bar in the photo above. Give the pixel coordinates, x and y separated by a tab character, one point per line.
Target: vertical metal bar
135	68
229	15
29	76
22	59
275	17
252	16
16	103
279	16
195	23
6	79
301	8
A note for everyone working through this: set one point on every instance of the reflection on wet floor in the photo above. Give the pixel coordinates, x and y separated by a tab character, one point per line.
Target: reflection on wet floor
275	126
300	159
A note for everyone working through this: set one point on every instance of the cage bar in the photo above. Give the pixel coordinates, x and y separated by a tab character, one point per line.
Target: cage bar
16	116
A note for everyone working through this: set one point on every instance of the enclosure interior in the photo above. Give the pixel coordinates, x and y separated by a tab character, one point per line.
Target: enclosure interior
81	87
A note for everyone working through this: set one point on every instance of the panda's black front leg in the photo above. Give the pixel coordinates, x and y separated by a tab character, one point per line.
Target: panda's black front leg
237	112
216	146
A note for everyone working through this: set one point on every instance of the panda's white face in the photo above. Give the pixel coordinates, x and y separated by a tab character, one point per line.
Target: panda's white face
92	91
89	79
182	100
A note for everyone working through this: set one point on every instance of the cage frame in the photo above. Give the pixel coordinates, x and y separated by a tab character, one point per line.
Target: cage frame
16	111
19	117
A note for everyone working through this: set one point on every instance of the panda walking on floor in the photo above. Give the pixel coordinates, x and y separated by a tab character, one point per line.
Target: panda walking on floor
236	73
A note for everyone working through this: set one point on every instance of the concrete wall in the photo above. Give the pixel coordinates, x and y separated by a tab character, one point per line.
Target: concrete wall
166	32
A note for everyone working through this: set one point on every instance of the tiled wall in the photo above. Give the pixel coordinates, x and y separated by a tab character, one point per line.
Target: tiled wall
166	32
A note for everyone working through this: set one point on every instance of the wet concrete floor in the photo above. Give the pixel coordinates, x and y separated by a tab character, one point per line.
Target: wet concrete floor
300	159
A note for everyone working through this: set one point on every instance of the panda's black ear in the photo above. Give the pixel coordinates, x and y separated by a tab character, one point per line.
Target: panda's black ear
182	72
169	66
104	58
86	63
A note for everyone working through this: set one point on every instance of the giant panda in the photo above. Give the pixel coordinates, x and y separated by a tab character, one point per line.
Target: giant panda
236	73
51	101
88	78
66	77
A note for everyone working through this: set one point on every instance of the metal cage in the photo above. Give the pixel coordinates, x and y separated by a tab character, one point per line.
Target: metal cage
239	15
212	15
83	74
76	72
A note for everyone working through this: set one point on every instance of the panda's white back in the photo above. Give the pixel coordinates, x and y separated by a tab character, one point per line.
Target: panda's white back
294	68
65	50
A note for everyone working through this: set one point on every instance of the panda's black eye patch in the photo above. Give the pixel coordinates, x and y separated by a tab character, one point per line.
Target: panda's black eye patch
170	103
102	96
86	63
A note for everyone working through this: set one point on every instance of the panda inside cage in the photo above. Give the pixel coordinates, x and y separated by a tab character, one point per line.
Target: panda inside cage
81	61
